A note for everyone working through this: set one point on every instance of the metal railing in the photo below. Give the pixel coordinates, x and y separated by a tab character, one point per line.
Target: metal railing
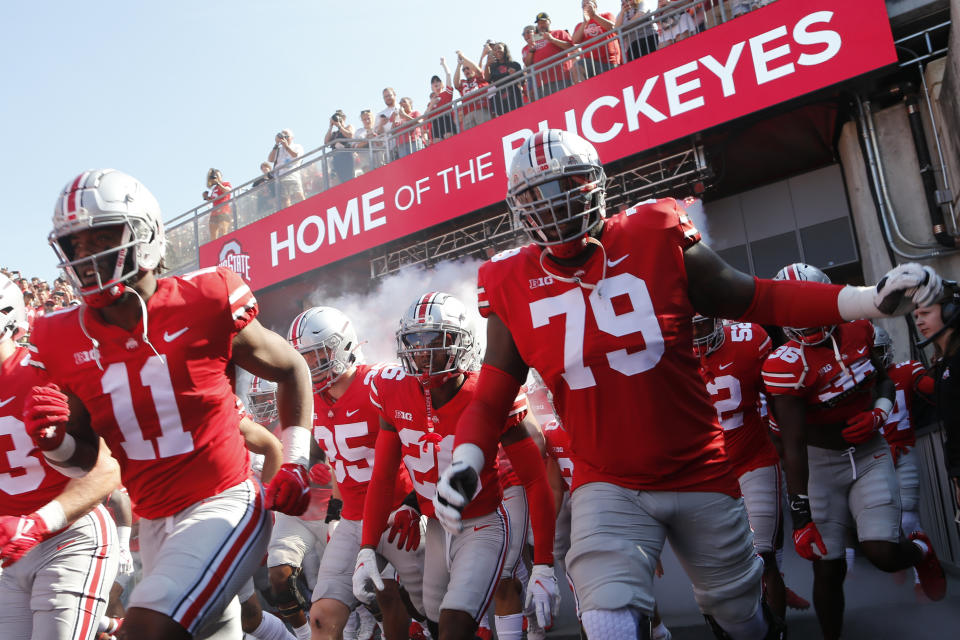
345	158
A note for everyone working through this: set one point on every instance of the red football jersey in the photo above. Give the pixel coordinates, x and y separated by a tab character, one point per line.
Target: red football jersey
347	431
618	359
732	375
558	448
833	392
27	481
402	404
171	420
898	429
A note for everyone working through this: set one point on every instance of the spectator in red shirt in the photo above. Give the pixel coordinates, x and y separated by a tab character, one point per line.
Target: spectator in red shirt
595	28
554	75
474	108
222	214
442	125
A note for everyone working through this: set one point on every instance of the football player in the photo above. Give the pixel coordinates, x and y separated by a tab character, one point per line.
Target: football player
831	397
345	426
730	361
601	307
144	363
419	407
58	544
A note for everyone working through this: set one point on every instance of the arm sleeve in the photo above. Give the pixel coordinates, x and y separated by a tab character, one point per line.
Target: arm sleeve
482	422
377	506
792	303
529	468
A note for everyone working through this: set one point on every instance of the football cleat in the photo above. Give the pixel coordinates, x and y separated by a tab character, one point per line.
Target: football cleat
932	579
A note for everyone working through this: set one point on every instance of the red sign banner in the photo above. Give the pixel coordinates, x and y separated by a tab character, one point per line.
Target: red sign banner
782	51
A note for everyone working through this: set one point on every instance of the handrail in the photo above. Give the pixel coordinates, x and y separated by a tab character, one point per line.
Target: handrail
258	197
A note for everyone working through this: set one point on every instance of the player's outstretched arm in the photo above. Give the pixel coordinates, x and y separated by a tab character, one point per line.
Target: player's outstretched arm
527	461
19	534
266	355
718	290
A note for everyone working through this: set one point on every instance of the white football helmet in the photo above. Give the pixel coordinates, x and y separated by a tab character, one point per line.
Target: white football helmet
435	340
806	273
557	190
883	342
262	400
707	335
326	339
13	314
99	199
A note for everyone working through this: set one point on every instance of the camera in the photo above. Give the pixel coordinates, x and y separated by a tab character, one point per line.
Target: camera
282	136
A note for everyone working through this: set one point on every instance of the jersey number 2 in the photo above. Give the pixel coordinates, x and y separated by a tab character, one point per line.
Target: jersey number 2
155	376
641	318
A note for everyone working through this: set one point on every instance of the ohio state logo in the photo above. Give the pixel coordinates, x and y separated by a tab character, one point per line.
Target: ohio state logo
232	257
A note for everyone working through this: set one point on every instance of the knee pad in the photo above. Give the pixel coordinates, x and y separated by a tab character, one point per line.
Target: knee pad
291	599
615	624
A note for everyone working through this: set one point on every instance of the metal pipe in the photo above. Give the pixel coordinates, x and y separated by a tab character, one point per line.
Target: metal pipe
944	173
926	173
880	194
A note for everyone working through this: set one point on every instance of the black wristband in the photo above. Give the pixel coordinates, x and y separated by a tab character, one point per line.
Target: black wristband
800	510
411	501
333	509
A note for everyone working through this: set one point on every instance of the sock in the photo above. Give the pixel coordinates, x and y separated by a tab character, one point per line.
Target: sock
272	628
849	554
108	624
660	631
302	633
509	627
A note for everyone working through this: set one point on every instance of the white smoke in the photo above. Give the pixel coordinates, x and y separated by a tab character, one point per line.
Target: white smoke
376	315
698	215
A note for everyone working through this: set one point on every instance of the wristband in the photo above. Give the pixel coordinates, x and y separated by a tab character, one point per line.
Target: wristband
296	445
63	452
800	510
52	516
470	454
884	404
123	533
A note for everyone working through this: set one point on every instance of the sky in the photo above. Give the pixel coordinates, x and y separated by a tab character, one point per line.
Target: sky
166	90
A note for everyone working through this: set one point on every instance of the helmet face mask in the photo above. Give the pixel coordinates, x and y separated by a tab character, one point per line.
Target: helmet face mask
326	339
884	344
800	271
435	341
13	313
262	401
557	190
117	222
707	335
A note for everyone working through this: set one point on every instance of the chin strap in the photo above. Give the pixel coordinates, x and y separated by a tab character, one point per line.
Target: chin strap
585	285
96	343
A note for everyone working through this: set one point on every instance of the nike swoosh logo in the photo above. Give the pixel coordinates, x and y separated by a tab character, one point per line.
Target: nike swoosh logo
170	337
3	403
879	456
721	368
350	413
861	350
482	527
613	263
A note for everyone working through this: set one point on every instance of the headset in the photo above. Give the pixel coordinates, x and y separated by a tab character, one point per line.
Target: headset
949	311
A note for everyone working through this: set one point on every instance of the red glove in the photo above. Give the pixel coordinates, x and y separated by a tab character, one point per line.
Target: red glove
19	534
289	491
320	473
864	425
405	526
45	415
804	541
926	385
